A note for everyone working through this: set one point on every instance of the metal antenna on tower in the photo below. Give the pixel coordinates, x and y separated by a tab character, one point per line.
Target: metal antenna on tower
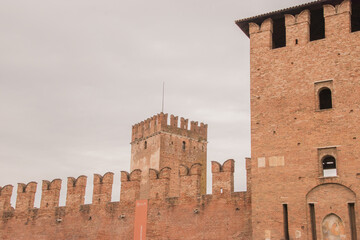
163	97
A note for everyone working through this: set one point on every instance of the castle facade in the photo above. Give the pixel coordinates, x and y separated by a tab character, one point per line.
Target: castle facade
303	175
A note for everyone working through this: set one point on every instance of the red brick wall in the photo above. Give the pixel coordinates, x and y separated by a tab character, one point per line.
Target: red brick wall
288	129
189	216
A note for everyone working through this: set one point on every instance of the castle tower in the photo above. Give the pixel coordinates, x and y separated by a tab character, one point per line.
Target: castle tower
305	111
157	143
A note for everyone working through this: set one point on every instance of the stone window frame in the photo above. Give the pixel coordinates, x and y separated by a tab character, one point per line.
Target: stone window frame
327	151
320	85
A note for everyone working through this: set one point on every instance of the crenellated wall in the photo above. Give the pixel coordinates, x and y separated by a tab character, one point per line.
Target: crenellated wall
297	27
160	123
189	216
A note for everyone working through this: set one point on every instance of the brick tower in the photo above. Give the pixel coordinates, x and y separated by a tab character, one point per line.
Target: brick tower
156	144
305	111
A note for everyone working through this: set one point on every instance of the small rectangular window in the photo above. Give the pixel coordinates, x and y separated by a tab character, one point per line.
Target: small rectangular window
352	221
313	221
286	222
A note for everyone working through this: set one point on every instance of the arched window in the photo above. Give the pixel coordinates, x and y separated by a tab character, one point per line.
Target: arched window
325	101
145	145
329	166
183	145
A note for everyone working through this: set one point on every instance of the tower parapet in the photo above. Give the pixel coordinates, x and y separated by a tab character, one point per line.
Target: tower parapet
337	19
298	26
159	123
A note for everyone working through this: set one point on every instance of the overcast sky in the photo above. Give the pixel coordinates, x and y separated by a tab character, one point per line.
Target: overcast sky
75	75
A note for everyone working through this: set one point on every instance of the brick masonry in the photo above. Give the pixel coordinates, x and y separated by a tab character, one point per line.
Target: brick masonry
288	130
290	136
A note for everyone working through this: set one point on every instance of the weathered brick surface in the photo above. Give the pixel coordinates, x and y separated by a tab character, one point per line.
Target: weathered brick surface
289	137
287	128
189	216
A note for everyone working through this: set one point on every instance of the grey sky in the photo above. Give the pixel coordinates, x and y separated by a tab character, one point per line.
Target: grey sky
75	75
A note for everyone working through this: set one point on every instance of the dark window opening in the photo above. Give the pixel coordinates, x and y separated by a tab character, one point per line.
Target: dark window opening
286	222
325	100
317	24
313	221
329	162
352	221
145	145
279	33
355	16
329	166
183	145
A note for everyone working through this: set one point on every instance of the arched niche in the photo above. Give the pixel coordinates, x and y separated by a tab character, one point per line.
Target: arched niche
329	213
333	228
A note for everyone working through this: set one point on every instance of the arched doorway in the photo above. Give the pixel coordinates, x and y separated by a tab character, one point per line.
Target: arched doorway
333	228
330	216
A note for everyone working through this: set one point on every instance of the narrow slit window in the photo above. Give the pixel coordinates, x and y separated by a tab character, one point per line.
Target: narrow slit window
183	145
325	98
317	24
313	221
279	33
352	221
145	145
286	222
329	166
355	16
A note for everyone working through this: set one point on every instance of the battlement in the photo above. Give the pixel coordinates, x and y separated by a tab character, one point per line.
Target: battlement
297	26
159	123
223	178
5	197
109	220
76	191
190	180
130	185
50	193
102	188
190	188
159	183
25	196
